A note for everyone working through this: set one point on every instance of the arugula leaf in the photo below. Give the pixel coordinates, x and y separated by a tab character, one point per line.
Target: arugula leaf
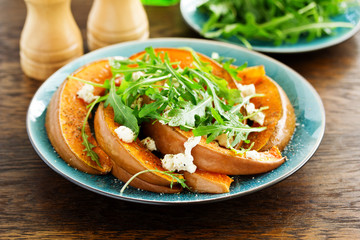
216	116
105	85
234	71
122	113
181	79
88	148
218	129
85	137
154	58
273	21
186	116
211	89
131	87
151	107
174	177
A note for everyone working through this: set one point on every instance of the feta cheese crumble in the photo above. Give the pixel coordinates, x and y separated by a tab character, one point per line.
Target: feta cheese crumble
182	161
149	143
125	134
190	144
259	117
246	90
215	55
113	63
120	58
87	93
137	75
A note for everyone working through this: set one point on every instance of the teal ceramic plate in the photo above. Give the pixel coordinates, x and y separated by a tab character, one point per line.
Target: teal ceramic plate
196	19
307	103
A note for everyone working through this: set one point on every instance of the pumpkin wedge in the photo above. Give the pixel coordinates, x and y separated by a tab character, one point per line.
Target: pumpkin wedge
285	126
124	176
65	116
280	117
207	182
132	157
209	156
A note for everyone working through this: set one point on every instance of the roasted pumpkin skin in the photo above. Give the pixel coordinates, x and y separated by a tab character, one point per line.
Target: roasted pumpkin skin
207	182
124	176
65	116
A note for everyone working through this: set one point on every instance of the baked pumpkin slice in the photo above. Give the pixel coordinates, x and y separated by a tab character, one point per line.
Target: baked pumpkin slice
280	117
65	117
129	157
132	158
207	182
124	176
210	156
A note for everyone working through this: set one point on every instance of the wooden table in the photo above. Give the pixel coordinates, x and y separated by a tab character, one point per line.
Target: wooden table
320	201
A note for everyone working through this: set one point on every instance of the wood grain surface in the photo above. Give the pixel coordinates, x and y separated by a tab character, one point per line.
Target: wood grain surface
320	201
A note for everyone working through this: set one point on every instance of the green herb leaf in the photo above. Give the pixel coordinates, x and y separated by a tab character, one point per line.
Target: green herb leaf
150	108
273	21
218	129
86	143
105	85
234	71
217	116
186	116
89	147
122	113
174	177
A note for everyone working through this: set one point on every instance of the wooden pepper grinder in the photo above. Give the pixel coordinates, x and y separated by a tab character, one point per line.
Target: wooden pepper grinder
50	38
114	21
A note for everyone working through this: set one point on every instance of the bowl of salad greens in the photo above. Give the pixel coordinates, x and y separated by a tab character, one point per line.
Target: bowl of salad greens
274	26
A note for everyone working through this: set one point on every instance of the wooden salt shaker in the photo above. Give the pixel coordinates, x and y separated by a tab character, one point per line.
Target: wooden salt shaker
114	21
50	38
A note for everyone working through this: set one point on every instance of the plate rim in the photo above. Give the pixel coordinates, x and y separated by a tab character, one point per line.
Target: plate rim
179	202
271	49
